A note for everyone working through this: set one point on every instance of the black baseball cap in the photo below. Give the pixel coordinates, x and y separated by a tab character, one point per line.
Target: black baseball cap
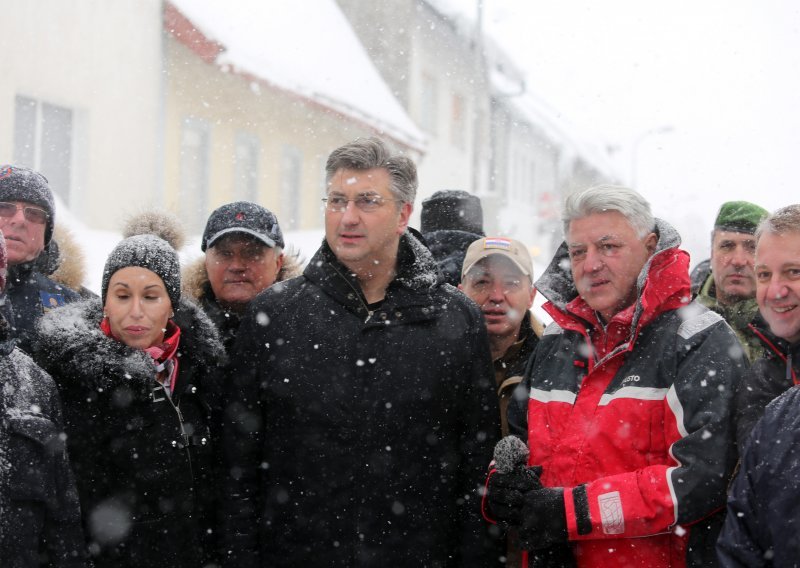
244	217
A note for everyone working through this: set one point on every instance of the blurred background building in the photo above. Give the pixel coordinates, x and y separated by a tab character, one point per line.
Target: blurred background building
188	104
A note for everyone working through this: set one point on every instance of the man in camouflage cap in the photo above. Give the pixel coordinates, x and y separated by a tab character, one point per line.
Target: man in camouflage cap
730	288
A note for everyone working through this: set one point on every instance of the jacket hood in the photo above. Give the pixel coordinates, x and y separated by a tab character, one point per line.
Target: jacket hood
71	342
663	279
195	277
71	261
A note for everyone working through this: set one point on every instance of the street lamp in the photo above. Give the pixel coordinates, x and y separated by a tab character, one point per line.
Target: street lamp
666	129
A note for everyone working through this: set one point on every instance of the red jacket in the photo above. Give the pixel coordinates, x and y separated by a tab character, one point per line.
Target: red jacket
634	420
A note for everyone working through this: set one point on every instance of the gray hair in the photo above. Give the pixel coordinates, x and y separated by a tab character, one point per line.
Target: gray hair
369	153
784	220
602	198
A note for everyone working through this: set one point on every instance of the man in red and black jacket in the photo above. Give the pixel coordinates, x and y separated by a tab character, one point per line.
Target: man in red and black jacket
629	399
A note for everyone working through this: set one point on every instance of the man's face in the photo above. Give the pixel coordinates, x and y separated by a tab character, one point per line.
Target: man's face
777	268
732	257
358	238
607	256
239	267
24	238
502	291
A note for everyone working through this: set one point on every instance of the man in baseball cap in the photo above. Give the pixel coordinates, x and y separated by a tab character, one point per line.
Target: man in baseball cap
27	217
243	246
498	276
730	288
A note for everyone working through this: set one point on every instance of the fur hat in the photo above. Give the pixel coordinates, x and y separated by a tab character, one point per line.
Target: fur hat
18	183
452	209
151	242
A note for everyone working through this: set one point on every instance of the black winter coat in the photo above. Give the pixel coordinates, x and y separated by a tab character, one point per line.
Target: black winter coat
769	376
143	462
360	436
32	294
764	501
40	521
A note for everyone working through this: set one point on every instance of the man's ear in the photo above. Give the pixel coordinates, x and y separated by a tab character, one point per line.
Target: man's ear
650	242
405	215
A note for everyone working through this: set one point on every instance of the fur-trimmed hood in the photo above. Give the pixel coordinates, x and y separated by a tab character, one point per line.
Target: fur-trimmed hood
195	276
71	345
63	260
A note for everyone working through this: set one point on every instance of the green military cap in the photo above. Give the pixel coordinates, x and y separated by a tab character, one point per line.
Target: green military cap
739	217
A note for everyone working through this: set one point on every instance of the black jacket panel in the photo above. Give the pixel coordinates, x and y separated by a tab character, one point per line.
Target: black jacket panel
373	429
40	523
764	502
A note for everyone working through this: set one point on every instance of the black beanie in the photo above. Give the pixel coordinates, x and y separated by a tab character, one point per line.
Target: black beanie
452	209
18	183
150	252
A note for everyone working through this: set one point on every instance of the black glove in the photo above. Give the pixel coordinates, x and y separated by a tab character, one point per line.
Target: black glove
506	491
544	519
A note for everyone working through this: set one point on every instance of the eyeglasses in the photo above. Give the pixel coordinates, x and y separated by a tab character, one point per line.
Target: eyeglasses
366	202
32	214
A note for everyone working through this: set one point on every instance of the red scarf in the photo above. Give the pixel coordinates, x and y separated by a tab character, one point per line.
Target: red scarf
164	354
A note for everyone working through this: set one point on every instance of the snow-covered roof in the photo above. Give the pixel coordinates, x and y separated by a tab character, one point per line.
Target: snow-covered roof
308	48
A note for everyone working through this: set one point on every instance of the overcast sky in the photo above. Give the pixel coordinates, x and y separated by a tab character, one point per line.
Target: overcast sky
723	77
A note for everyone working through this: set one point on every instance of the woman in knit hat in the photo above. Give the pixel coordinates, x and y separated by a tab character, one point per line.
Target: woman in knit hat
136	370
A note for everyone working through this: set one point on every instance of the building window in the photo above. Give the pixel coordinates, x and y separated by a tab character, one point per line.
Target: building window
43	140
245	167
458	130
292	167
428	103
193	198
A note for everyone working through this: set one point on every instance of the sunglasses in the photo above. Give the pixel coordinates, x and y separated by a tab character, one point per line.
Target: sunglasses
32	214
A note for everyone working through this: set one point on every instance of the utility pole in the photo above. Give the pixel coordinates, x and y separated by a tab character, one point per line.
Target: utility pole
481	89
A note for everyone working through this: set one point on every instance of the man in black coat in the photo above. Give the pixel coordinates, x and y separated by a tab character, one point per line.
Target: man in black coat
361	404
27	217
40	518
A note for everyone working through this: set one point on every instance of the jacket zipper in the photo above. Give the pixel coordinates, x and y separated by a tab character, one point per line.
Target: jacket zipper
358	293
184	435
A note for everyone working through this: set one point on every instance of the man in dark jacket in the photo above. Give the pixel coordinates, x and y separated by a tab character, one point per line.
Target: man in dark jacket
777	266
497	274
40	523
730	288
361	396
630	392
27	217
243	246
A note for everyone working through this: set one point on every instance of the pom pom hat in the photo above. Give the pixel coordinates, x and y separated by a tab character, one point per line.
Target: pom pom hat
149	250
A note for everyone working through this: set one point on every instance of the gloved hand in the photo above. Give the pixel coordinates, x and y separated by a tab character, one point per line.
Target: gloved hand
505	493
543	518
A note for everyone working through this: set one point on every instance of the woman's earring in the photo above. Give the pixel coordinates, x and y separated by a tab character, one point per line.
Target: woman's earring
105	315
172	315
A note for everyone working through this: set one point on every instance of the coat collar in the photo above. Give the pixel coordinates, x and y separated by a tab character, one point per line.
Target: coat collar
417	276
72	345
